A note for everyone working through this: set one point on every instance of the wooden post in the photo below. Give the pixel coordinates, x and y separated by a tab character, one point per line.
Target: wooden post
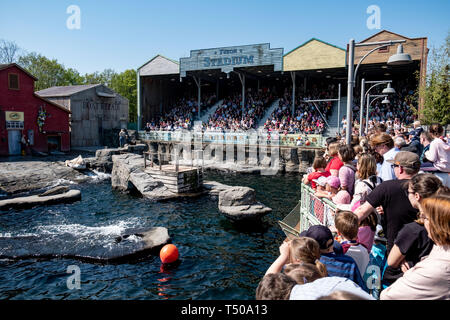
159	161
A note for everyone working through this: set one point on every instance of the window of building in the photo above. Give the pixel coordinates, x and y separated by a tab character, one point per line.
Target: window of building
384	49
13	81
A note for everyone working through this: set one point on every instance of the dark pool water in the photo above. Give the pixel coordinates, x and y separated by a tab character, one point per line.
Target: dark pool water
219	260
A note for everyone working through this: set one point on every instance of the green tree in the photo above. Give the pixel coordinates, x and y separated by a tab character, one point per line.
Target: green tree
49	72
436	92
125	84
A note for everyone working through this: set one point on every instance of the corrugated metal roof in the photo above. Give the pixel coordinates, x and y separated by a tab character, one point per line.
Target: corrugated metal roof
65	91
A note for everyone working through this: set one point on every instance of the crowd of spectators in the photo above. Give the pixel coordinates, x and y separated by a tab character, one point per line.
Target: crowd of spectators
392	198
229	115
181	115
306	119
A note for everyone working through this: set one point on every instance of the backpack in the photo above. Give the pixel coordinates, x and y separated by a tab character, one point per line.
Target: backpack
374	182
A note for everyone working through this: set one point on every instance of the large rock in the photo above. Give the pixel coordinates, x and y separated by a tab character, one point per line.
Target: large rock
23	176
239	204
87	246
32	201
128	174
237	196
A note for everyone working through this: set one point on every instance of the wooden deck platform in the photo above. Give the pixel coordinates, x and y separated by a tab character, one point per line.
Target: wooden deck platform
185	180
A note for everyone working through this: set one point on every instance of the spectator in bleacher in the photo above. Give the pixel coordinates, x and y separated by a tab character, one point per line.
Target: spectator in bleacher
338	265
412	242
319	165
334	163
347	171
384	145
346	223
428	279
391	196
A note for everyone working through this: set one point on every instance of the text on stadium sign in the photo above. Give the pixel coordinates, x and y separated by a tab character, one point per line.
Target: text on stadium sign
227	58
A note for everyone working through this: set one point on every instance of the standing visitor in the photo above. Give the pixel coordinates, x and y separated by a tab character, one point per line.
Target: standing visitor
430	278
122	137
384	145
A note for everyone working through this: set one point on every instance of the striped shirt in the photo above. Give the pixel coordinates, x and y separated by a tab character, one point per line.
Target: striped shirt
343	266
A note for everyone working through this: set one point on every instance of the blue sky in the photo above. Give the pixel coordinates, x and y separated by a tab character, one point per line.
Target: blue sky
126	34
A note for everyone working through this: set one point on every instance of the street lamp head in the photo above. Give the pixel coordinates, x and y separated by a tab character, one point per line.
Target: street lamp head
385	101
388	89
400	57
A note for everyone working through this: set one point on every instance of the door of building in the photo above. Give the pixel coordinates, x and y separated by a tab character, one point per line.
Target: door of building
14	142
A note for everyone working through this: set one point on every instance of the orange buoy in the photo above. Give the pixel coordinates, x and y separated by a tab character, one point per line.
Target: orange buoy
169	253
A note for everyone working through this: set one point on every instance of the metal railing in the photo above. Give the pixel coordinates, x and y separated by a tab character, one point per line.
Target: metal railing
292	140
309	211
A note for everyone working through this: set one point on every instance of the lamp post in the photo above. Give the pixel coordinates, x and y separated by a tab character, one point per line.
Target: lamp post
369	103
387	90
396	59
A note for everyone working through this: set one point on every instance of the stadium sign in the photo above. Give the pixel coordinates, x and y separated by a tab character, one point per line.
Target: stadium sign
227	58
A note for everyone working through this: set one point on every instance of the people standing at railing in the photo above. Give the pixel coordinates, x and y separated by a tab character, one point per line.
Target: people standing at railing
428	279
391	196
333	192
334	163
319	165
412	242
348	170
338	265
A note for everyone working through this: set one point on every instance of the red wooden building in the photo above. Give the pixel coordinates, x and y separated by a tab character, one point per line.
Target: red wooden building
44	124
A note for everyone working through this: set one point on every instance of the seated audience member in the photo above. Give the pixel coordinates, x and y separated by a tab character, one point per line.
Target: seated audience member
439	152
347	171
327	286
275	286
338	265
319	165
384	145
412	242
428	279
334	163
346	223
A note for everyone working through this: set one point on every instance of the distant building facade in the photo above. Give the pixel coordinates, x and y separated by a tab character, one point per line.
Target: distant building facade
95	109
43	124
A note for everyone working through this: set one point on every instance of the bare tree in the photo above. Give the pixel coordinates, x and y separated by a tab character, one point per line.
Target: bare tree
9	51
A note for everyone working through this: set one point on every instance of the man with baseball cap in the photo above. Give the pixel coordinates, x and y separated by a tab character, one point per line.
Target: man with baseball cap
392	197
338	265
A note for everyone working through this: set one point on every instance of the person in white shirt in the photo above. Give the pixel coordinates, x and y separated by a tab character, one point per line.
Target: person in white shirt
384	145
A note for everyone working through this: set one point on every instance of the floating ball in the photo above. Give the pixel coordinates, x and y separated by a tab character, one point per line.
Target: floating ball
169	253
